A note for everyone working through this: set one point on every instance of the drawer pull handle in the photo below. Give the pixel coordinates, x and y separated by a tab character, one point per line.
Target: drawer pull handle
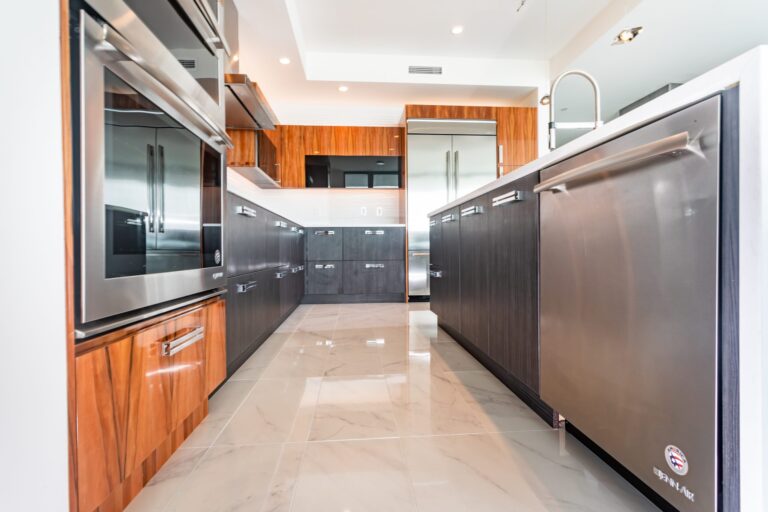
246	287
436	273
372	232
509	197
281	224
325	233
281	275
448	218
329	266
472	210
374	265
301	231
294	229
246	211
175	346
296	270
432	223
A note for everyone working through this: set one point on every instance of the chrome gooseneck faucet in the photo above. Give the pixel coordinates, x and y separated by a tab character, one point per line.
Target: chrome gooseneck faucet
553	126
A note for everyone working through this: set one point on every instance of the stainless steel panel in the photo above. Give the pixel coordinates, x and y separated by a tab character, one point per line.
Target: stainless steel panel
629	304
246	106
452	127
100	297
427	187
418	272
474	162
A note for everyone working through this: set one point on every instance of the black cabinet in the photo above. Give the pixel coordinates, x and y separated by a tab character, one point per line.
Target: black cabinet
373	277
436	290
324	277
374	243
324	244
450	267
246	229
514	288
259	240
474	274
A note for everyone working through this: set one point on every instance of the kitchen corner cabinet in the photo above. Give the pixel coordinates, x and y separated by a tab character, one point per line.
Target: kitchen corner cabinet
140	392
484	275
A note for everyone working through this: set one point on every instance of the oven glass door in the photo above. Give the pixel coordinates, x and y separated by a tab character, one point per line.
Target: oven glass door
151	192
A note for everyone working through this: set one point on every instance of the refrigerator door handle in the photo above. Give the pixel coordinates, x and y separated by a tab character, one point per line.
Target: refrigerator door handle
161	187
448	176
456	174
151	187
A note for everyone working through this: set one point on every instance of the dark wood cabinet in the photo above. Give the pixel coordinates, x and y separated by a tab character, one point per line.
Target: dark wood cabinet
450	266
474	250
436	290
324	277
324	244
514	290
245	232
374	243
373	277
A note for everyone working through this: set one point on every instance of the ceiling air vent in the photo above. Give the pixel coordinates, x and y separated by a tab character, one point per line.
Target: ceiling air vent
188	63
425	70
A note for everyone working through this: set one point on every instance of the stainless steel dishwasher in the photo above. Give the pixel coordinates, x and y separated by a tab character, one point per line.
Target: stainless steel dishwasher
629	300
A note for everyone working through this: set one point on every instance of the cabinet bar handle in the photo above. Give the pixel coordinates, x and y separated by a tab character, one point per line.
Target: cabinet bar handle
472	210
432	223
374	265
325	233
301	231
372	232
330	266
245	211
281	275
509	197
448	218
436	273
281	224
174	346
245	287
294	229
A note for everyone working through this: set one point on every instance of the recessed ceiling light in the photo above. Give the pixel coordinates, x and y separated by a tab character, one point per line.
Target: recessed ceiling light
627	35
343	88
285	60
458	29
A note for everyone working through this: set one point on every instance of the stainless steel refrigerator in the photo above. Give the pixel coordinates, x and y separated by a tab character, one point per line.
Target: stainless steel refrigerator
446	159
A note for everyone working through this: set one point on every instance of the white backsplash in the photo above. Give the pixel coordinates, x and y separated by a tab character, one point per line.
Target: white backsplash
325	206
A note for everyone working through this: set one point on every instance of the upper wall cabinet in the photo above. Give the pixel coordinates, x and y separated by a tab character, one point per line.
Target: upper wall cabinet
517	136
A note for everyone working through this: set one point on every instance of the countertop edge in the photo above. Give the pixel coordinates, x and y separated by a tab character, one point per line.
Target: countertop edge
711	82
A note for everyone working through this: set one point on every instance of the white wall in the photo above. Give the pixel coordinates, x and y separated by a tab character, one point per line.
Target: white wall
33	380
325	206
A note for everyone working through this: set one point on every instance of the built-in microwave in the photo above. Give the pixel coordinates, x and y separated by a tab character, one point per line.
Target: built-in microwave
150	173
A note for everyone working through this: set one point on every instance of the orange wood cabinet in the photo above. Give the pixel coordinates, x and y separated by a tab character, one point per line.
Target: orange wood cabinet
449	112
138	396
516	135
244	152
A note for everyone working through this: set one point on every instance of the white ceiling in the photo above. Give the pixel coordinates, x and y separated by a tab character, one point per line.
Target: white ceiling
492	28
500	59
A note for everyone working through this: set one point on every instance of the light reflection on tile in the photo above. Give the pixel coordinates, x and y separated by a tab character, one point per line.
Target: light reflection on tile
373	407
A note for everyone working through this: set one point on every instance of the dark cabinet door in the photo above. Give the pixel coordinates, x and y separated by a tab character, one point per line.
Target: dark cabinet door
450	262
374	243
244	324
474	272
324	244
435	268
285	279
373	277
246	228
513	228
272	240
324	277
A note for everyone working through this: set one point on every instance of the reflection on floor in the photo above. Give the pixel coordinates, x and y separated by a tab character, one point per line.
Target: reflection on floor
371	407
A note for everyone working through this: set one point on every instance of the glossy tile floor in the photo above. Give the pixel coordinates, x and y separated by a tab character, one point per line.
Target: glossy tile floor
371	407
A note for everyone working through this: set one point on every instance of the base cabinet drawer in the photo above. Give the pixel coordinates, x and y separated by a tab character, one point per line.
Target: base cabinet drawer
373	277
374	243
324	244
324	277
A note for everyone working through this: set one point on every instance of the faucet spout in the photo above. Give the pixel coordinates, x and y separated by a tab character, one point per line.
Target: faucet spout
554	126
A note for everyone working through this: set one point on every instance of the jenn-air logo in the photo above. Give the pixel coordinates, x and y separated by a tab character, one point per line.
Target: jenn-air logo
676	460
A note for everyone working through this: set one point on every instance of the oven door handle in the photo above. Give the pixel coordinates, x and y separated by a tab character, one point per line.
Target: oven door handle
672	145
122	45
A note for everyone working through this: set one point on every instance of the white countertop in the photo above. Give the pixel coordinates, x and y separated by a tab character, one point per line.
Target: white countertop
709	83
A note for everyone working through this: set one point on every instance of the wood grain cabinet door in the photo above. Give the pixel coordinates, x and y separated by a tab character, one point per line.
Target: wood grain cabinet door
215	345
102	383
474	249
435	267
185	355
149	412
450	261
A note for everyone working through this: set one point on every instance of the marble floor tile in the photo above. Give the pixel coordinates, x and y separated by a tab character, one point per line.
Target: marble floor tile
369	476
271	412
166	483
229	479
502	409
369	408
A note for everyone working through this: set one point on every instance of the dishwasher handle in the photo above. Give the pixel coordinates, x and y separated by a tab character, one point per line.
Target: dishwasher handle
672	145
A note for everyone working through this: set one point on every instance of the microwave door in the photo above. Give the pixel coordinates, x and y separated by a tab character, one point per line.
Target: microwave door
178	186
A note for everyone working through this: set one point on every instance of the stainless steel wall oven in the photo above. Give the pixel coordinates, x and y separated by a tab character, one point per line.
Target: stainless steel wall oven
150	169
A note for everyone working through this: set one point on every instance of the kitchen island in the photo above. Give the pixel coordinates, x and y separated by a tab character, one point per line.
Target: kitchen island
478	266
